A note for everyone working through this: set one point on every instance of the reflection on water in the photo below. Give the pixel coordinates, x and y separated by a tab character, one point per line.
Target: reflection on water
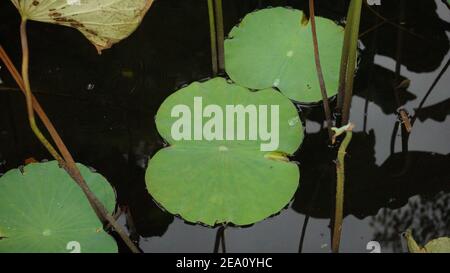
104	108
427	216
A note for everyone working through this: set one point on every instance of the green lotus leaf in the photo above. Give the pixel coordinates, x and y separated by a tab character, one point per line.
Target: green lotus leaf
42	210
103	22
439	245
222	180
273	48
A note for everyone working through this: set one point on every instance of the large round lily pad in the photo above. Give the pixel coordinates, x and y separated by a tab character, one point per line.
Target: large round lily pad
273	48
43	210
225	181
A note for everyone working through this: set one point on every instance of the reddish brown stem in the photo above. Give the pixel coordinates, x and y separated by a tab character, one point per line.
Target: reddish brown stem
68	163
323	90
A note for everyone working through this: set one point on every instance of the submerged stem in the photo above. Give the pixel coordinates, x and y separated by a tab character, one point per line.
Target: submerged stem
340	172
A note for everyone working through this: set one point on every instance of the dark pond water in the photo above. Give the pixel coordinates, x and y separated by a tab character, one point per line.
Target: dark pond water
104	108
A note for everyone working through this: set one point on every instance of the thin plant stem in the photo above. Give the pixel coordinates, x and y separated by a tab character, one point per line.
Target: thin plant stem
398	55
302	237
220	35
217	241
213	37
344	61
36	106
394	136
224	249
340	172
323	90
67	162
402	114
220	240
353	28
373	28
29	101
377	14
433	85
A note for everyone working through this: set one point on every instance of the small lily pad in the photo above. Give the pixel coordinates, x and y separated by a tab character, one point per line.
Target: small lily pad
221	180
43	210
274	48
103	22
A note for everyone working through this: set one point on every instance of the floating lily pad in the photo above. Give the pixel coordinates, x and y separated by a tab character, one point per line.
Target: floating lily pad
273	48
225	181
103	22
44	210
439	245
